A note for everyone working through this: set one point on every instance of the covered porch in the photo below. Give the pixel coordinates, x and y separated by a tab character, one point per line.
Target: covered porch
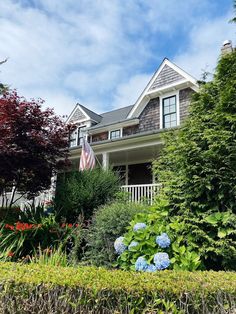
132	160
134	166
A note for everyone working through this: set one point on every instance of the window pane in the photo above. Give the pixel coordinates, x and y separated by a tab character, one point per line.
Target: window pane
167	118
172	100
115	134
166	109
166	101
173	123
167	124
172	108
73	137
173	117
81	131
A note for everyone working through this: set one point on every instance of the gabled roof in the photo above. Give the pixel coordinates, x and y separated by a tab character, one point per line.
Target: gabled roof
81	113
93	116
167	77
113	116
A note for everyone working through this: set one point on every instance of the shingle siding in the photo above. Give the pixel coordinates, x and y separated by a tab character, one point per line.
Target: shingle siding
166	76
184	101
78	115
149	119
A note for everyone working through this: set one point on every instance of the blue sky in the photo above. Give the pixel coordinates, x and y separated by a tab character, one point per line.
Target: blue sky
101	53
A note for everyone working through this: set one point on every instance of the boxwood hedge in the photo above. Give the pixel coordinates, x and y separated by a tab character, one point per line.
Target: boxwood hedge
43	289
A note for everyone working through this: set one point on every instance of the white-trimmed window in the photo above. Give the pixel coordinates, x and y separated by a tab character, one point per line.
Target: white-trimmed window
80	134
76	136
73	138
115	134
169	112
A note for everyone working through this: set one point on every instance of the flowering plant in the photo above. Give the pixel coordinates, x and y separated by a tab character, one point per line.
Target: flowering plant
154	243
22	238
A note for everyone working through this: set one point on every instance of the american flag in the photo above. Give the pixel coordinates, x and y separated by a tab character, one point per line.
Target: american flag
87	158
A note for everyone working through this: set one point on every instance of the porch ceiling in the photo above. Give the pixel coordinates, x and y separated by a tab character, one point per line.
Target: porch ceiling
136	155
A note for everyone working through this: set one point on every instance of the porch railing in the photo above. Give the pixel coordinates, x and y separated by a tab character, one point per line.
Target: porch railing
139	193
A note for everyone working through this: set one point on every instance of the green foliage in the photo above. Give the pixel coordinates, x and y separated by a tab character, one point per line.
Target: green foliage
52	257
197	167
20	240
182	251
32	213
10	215
108	223
80	192
41	288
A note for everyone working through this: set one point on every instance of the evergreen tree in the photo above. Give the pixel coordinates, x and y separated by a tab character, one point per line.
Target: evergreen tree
197	168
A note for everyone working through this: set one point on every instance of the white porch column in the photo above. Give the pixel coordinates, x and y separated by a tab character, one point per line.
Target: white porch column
105	161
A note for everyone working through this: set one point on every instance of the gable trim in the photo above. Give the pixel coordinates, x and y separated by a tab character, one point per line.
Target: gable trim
141	101
77	106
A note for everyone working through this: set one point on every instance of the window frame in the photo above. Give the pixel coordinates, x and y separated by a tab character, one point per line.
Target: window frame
162	98
77	138
115	130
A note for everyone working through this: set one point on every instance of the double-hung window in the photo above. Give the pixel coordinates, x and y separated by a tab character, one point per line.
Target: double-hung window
114	134
76	136
73	138
80	134
169	112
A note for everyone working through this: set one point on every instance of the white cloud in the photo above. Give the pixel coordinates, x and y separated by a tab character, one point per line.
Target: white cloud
204	46
128	92
96	52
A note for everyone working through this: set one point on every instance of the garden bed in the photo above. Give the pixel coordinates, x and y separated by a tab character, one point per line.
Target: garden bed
42	289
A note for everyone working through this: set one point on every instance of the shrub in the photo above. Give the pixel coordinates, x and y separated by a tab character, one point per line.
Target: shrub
108	223
32	213
80	192
155	241
44	289
197	168
10	215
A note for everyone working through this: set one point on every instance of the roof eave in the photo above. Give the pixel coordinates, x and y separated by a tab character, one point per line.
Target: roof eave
112	126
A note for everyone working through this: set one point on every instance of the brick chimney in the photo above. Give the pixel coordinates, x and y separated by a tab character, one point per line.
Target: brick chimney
227	47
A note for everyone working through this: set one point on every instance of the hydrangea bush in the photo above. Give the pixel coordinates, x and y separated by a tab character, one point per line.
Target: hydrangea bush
155	243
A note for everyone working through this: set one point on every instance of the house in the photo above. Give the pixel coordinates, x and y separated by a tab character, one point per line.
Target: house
129	138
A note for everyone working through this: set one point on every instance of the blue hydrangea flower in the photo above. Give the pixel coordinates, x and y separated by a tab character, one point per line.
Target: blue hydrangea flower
139	225
119	246
163	240
161	261
151	268
141	264
132	244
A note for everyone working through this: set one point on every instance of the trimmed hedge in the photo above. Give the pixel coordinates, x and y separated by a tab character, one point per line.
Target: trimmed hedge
43	289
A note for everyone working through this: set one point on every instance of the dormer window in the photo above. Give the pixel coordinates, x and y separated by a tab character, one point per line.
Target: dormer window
169	109
81	134
76	136
115	134
73	138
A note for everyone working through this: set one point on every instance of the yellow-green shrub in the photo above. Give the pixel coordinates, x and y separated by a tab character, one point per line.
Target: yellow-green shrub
35	288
